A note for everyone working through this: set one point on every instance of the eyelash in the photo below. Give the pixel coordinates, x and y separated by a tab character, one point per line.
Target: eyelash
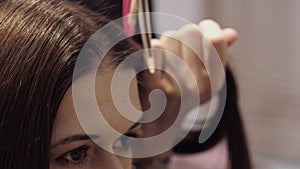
83	153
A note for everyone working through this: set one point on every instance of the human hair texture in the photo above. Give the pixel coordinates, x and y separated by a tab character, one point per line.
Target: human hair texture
40	42
110	8
237	140
231	127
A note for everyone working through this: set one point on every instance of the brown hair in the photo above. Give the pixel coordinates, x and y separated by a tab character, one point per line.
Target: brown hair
39	45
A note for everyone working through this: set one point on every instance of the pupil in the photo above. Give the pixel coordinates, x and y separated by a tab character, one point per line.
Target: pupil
77	154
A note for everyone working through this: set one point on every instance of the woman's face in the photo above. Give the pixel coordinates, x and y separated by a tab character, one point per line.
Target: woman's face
72	148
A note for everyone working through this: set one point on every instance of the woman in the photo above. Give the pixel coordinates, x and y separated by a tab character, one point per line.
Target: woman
40	42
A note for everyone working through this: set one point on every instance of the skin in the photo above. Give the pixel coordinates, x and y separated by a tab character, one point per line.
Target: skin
171	41
67	124
92	156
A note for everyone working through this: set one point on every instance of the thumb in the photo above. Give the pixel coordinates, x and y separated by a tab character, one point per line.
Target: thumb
230	35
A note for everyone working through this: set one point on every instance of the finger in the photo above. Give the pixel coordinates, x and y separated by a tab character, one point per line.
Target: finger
230	35
170	42
212	30
155	43
192	52
214	34
191	47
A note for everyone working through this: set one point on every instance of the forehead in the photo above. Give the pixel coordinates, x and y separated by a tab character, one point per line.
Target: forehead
67	123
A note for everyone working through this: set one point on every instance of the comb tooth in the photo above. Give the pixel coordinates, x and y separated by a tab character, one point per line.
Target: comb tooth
133	7
132	20
142	7
151	64
133	10
149	30
145	26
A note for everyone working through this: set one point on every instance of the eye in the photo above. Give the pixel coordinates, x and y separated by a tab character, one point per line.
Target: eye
75	157
123	143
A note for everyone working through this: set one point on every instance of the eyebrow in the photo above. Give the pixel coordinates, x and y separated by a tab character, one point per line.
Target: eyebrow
82	137
74	138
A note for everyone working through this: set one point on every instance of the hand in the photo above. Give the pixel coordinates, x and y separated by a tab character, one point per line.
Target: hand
180	43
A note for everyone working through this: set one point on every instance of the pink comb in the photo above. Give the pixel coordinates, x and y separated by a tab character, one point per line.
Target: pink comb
128	29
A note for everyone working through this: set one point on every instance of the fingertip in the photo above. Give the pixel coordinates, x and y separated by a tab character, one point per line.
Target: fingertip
170	39
209	22
155	43
230	35
211	29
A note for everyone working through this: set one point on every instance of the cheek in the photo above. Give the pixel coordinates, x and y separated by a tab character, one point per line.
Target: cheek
126	162
110	161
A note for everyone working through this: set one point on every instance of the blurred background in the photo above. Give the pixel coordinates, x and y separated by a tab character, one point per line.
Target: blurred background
266	64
